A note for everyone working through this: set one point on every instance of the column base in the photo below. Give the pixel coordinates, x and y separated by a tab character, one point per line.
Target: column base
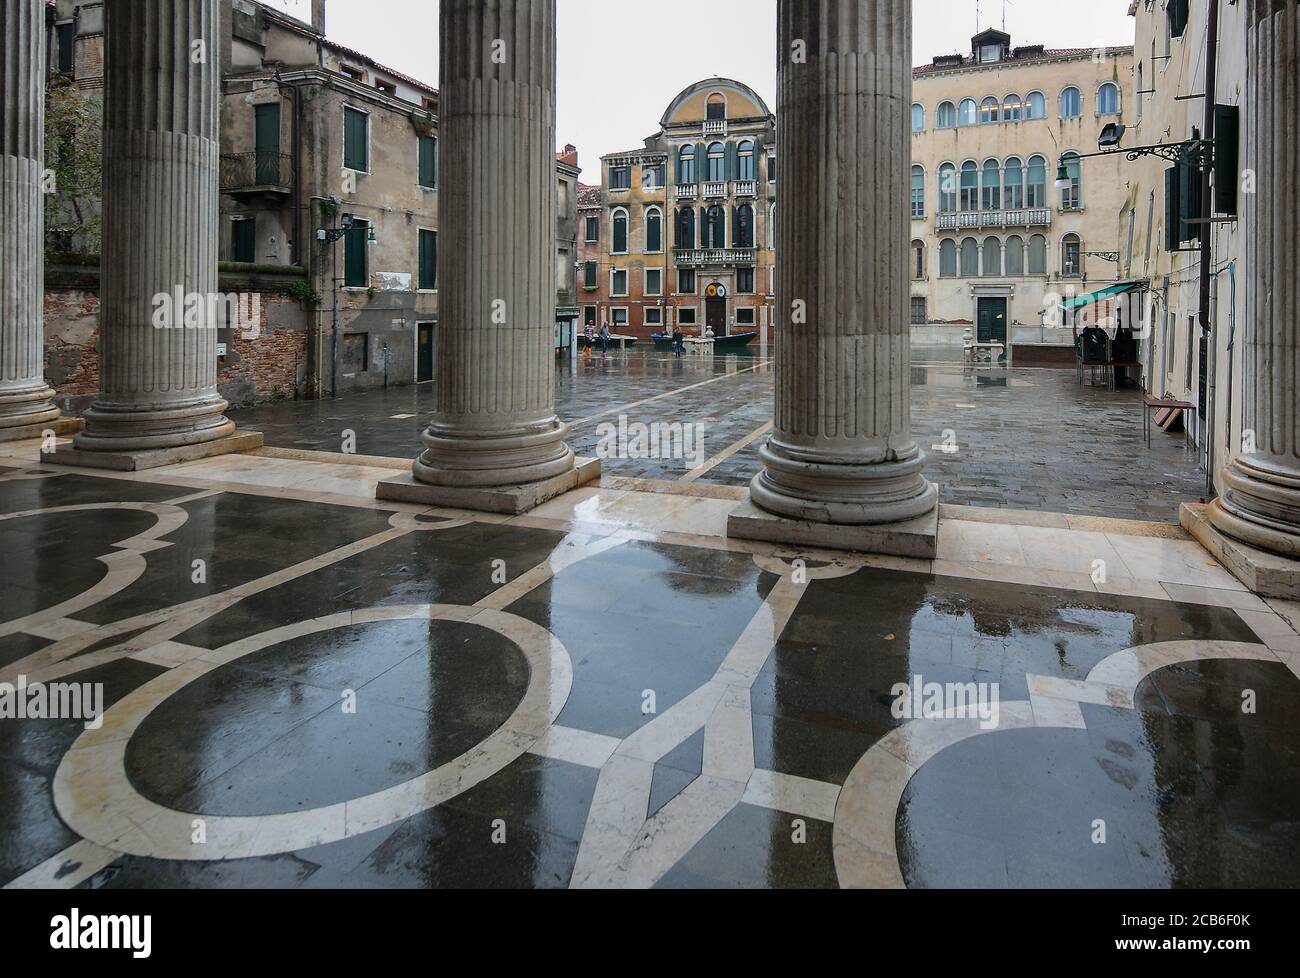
917	537
507	500
1267	574
60	426
155	458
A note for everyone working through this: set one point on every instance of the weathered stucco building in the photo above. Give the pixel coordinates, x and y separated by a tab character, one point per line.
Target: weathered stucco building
329	202
685	229
995	241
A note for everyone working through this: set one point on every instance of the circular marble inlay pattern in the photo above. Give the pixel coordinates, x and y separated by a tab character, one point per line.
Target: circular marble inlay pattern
95	796
327	716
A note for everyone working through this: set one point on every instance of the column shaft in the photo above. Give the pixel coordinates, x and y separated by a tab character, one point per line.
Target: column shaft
1260	504
158	336
842	451
25	398
495	422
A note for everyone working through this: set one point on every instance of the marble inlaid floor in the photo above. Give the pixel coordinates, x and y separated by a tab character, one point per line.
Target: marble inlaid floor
610	693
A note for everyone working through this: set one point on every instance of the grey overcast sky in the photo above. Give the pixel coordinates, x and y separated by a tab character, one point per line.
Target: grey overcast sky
622	61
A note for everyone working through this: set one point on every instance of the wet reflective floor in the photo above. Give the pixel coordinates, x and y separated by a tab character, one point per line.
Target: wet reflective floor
1029	439
311	691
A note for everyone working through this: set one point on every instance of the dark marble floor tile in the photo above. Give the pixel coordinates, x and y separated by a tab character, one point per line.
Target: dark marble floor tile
756	848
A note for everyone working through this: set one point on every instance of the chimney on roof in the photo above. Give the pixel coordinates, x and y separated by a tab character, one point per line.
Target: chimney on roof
318	16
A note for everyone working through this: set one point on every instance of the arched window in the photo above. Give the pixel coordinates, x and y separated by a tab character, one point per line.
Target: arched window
746	166
1035	106
715	227
686	165
992	258
1108	99
918	191
970	258
990	111
1015	256
947	189
946	118
686	227
1071	256
948	258
654	230
1037	255
968	114
918	118
991	196
620	232
970	186
918	261
717	108
771	226
1013	109
1036	182
1013	184
717	163
1071	103
1141	99
744	232
1072	195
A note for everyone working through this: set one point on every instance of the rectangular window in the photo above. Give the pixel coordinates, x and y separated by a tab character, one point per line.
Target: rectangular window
919	317
593	229
243	246
356	140
654	281
686	317
429	162
356	273
428	260
355	354
589	315
589	275
619	318
654	316
652	177
686	281
618	282
66	39
771	169
745	281
744	317
620	178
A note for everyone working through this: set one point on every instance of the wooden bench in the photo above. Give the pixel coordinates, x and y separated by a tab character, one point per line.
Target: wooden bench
1150	404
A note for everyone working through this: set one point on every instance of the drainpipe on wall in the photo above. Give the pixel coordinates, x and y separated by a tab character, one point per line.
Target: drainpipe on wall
1208	332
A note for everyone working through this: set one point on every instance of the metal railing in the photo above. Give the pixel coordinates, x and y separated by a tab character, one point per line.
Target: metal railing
256	171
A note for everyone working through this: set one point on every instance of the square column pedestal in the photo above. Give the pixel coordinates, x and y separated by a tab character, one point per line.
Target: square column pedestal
917	538
507	500
154	458
1267	574
60	428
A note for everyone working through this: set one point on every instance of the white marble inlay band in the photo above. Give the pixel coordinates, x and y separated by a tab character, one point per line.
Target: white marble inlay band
94	795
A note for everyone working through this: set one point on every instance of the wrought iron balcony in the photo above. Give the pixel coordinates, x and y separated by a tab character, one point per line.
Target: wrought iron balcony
1020	217
249	173
713	257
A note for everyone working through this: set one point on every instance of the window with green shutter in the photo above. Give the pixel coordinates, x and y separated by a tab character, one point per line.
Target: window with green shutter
428	260
244	241
355	274
356	148
589	275
429	162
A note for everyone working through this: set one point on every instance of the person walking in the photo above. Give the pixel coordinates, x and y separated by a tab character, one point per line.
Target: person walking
604	341
679	342
590	334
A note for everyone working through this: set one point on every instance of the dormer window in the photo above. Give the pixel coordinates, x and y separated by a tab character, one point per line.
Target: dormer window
387	87
990	54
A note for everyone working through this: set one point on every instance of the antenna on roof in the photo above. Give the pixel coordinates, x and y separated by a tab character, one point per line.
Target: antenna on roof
1005	4
977	16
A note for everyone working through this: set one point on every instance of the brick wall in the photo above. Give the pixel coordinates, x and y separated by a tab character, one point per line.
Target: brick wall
265	367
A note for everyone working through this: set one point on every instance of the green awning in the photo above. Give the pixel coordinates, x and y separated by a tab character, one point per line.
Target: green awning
1107	293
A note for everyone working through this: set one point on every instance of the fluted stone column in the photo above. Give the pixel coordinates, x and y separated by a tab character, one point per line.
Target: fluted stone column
842	468
1260	505
26	401
494	441
158	383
